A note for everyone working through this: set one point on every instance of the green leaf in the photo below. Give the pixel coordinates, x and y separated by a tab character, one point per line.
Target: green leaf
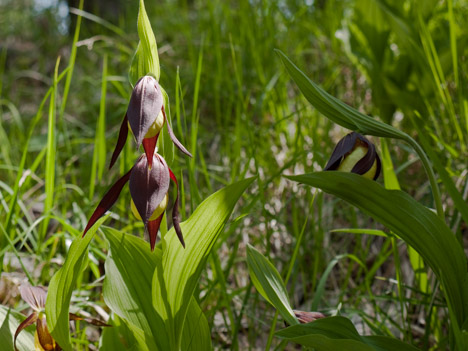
181	268
196	335
130	265
335	109
418	226
9	322
61	288
122	337
269	284
338	333
146	58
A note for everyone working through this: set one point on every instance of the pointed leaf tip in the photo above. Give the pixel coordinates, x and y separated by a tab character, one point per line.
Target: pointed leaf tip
123	133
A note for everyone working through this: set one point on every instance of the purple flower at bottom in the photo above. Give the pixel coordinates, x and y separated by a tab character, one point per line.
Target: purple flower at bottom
148	188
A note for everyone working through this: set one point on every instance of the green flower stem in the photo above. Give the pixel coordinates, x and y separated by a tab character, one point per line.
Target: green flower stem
430	174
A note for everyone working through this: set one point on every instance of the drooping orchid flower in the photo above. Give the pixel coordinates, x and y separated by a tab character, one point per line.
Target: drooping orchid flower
355	153
36	297
148	188
146	117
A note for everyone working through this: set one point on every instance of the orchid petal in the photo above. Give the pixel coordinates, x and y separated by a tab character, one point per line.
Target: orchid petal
31	319
153	228
344	146
175	212
108	200
149	144
144	106
148	187
123	133
173	137
45	339
35	296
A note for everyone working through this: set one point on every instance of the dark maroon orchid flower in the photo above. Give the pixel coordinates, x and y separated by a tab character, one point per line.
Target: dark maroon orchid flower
36	297
148	189
354	153
146	117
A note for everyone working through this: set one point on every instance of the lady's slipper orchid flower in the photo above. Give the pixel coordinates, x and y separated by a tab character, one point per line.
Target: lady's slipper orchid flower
354	153
146	117
36	297
148	189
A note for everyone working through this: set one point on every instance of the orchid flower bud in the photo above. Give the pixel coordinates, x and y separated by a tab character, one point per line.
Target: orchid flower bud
356	154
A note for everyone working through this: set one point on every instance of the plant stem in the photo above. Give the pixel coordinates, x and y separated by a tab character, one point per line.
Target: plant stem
430	174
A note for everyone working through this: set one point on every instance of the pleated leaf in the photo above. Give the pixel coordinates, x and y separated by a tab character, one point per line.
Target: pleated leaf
9	322
182	267
197	334
269	284
418	226
130	265
61	287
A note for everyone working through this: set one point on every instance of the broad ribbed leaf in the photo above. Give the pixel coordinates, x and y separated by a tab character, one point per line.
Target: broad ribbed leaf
129	266
418	226
269	284
61	287
338	333
182	267
335	109
122	337
9	322
196	335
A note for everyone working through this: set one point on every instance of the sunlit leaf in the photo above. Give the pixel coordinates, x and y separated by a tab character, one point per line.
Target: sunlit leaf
269	284
129	266
122	337
181	268
146	58
61	287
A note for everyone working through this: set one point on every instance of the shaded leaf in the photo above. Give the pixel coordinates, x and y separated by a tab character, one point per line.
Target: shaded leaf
415	224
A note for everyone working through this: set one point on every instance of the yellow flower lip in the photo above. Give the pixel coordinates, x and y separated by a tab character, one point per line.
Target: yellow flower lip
356	154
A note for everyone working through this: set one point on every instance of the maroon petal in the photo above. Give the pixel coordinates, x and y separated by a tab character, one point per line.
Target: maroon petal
35	296
93	321
26	323
173	137
153	227
148	186
308	317
108	200
43	334
149	144
120	141
144	106
175	212
344	146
